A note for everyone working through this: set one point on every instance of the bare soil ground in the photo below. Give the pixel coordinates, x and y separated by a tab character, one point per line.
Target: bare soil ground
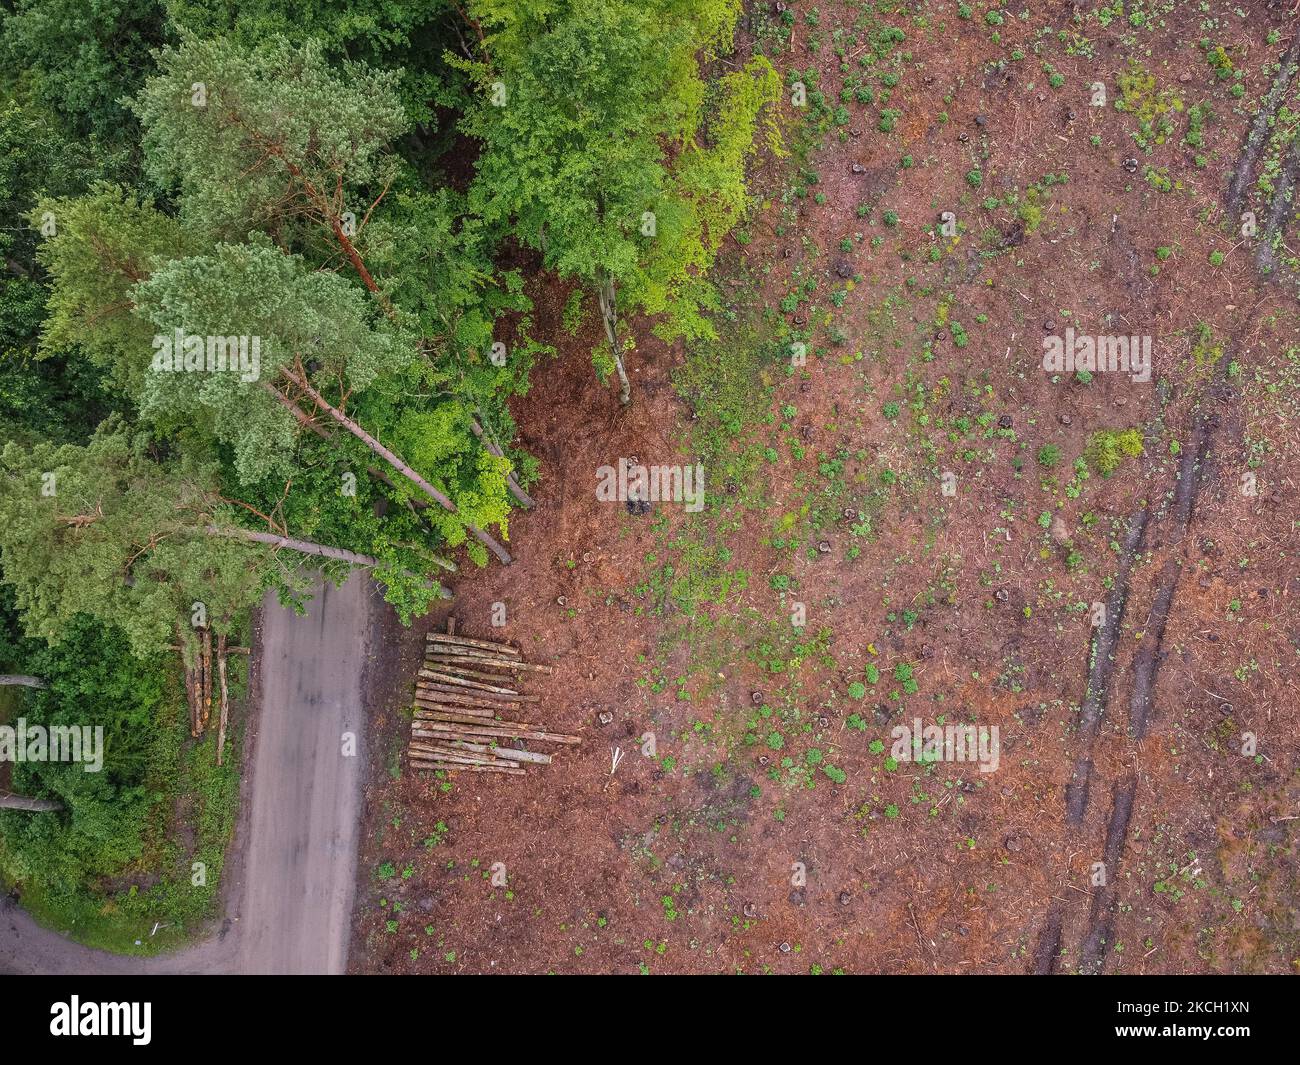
973	607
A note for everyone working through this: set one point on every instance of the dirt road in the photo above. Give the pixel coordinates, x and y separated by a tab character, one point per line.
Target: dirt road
292	866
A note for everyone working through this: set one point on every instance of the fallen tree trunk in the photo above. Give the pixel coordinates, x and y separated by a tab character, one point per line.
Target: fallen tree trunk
21	802
21	679
609	316
225	697
192	684
305	547
524	498
466	641
206	708
308	423
393	460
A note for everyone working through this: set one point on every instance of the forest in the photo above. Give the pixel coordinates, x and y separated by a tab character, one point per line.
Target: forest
650	486
263	310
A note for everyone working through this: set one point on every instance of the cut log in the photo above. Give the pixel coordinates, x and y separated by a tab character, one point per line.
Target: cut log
21	802
465	719
459	758
431	689
440	648
465	641
432	747
468	693
494	673
19	678
425	691
442	755
478	713
225	696
504	752
503	706
479	661
433	767
484	755
461	682
423	730
479	654
494	730
470	723
434	662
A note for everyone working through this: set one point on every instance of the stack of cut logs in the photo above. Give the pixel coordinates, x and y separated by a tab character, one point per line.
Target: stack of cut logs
198	686
464	685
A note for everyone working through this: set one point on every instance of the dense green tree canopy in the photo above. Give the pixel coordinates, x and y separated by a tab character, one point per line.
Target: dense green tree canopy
265	301
288	185
592	116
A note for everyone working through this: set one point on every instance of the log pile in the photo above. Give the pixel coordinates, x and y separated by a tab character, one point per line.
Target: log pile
460	691
199	681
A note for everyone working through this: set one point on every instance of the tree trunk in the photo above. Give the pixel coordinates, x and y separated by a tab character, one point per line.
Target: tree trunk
18	678
191	682
205	710
393	460
525	500
225	696
305	547
609	315
21	802
302	419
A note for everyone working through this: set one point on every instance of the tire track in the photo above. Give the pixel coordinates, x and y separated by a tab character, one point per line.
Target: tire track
1105	900
1145	665
1263	122
1101	669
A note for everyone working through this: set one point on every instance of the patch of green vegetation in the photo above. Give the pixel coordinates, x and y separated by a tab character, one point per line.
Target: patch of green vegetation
1106	449
147	841
1154	109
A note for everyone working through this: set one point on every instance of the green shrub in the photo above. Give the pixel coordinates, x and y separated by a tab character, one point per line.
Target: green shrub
1107	448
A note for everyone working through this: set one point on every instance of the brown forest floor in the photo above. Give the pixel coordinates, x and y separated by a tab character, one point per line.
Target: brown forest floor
683	863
